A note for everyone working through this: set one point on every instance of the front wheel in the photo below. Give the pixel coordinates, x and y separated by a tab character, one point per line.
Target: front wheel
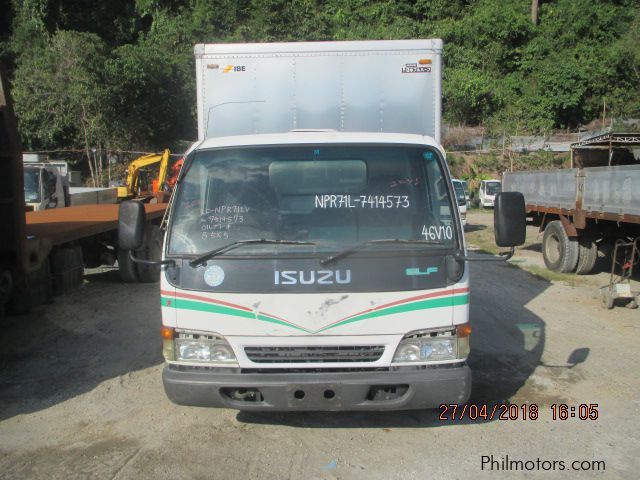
152	251
126	267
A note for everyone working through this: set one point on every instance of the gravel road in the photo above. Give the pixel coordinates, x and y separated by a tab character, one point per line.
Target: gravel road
81	397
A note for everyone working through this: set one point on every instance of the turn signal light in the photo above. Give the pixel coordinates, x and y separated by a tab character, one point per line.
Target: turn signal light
167	333
463	330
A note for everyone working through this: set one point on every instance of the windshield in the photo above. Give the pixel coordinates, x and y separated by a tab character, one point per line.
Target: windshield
31	185
493	188
330	197
460	196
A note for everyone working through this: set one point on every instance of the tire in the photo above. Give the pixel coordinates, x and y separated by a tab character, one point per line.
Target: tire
126	267
587	255
559	251
38	290
152	251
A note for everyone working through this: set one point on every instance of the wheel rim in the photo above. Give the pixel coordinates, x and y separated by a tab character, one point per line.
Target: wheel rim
552	249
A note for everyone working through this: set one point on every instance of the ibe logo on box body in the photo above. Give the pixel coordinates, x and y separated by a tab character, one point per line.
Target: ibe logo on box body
234	68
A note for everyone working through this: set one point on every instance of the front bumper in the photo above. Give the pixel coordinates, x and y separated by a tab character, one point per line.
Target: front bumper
321	391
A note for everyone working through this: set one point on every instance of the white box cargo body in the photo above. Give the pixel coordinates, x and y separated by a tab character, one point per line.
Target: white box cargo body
369	86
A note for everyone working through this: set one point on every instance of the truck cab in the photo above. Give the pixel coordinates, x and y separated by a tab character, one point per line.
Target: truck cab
43	187
461	199
316	270
488	191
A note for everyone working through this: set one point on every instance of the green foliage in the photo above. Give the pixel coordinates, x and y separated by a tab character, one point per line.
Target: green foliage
59	92
456	164
503	71
540	160
123	70
152	94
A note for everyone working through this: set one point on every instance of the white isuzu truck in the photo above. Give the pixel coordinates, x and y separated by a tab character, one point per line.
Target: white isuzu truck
314	257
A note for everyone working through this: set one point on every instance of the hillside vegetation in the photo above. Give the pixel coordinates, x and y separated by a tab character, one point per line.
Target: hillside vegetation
120	74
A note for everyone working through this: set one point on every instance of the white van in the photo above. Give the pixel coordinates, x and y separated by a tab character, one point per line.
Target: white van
488	191
461	199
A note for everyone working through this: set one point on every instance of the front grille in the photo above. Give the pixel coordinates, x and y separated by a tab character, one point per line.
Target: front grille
359	353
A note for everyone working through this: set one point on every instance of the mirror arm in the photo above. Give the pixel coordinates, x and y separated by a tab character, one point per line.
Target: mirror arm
150	262
503	257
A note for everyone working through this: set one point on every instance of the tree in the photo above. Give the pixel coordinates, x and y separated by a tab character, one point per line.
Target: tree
121	74
59	95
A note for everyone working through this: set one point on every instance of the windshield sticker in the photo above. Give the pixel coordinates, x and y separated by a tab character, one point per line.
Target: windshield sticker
440	232
214	276
410	272
227	209
362	201
412	182
215	235
217	222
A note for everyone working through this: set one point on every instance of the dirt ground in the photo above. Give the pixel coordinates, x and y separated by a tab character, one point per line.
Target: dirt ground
81	395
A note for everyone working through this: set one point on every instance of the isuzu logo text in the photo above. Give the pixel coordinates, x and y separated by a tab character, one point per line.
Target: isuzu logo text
311	277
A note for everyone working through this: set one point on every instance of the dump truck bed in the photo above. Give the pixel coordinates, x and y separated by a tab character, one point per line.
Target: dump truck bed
62	225
603	193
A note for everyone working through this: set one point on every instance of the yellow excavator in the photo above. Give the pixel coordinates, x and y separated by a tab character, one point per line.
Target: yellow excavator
135	187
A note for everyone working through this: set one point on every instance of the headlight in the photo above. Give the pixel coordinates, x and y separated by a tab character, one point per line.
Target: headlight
204	349
189	350
434	346
426	349
196	347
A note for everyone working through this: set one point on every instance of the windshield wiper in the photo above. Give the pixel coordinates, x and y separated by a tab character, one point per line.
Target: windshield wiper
201	260
349	251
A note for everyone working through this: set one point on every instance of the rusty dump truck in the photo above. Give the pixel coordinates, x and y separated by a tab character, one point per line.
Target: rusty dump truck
586	208
44	253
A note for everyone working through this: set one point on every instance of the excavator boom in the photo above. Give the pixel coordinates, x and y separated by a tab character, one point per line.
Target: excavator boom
132	187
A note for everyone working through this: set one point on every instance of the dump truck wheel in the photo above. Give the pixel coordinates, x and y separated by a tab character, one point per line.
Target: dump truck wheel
559	251
126	267
587	255
152	251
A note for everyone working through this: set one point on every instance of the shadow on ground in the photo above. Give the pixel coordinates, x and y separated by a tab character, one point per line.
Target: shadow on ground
474	227
100	330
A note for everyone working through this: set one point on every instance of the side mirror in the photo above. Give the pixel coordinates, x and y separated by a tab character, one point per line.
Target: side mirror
509	219
131	221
